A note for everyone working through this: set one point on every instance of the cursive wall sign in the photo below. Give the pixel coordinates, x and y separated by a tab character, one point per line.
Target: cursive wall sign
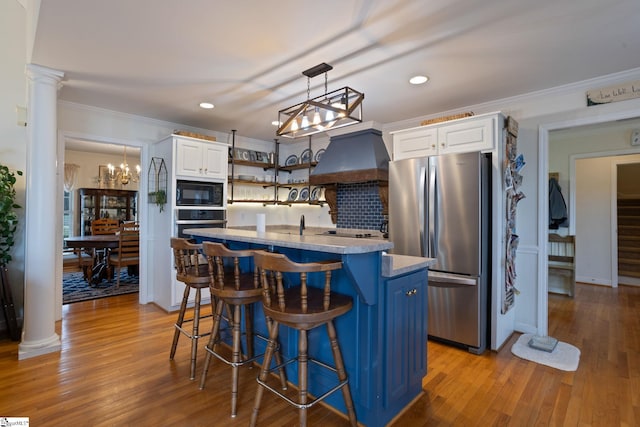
616	93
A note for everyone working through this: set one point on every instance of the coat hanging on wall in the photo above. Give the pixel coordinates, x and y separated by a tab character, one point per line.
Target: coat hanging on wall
557	206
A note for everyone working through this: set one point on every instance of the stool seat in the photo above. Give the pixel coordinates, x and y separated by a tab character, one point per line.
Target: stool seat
194	276
315	315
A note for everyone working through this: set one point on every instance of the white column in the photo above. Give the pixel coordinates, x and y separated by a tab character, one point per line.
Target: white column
38	332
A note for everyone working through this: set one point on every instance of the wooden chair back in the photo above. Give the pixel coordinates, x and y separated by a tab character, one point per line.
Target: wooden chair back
186	258
105	226
305	299
224	268
128	246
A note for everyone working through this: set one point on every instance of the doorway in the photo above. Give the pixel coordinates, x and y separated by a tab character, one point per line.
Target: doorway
628	222
96	154
624	122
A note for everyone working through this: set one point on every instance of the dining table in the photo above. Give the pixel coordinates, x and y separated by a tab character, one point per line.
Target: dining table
100	269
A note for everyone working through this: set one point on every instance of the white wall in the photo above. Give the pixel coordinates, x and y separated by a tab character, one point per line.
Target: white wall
89	164
13	138
593	220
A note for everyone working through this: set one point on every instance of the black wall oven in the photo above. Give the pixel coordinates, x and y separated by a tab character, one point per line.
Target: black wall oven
200	193
198	218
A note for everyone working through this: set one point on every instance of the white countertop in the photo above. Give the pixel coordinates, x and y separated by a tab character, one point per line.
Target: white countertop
308	241
395	265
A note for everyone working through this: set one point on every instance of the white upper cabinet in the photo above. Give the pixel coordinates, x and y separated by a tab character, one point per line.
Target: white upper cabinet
462	135
417	142
206	160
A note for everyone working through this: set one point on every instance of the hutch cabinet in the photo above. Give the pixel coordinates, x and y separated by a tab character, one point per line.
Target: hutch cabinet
94	203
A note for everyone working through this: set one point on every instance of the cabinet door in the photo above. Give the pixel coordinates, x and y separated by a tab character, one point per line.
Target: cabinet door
406	334
189	158
418	142
473	134
215	160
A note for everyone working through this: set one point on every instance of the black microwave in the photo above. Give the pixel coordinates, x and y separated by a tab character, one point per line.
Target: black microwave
199	193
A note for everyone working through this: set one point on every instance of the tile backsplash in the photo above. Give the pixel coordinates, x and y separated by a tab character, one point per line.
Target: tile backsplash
359	206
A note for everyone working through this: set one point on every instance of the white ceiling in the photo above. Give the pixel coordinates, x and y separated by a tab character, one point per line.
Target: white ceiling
159	59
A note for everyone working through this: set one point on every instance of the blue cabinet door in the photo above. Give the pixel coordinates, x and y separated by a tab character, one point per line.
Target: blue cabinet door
406	337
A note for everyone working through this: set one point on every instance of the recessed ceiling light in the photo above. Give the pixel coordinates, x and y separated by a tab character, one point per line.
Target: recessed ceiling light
206	105
418	80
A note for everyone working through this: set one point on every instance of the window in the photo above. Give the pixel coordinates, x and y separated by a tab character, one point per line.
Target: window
67	214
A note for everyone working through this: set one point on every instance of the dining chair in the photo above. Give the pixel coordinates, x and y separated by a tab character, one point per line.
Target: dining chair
75	259
105	226
128	252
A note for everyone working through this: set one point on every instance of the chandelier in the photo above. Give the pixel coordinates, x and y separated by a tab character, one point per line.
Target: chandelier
123	174
331	110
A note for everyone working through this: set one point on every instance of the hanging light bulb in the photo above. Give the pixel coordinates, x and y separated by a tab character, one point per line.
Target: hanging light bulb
316	117
305	121
294	125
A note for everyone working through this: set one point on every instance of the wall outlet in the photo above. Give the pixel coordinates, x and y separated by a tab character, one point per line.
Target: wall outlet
635	137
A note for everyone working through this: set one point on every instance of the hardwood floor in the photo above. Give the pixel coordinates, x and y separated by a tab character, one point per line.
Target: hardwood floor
114	369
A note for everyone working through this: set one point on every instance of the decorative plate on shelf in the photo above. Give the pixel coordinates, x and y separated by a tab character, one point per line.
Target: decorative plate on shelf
291	160
304	193
319	154
315	193
293	194
306	156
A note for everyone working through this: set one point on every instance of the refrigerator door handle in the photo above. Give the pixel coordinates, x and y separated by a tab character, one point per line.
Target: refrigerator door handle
433	211
450	280
421	211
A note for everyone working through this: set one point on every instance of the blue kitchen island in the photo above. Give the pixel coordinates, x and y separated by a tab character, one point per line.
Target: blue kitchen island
383	338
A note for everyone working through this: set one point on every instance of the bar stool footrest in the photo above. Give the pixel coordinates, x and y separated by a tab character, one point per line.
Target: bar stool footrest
312	402
189	335
229	362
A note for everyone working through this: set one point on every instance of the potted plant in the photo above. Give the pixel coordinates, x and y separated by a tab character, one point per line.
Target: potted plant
8	227
159	198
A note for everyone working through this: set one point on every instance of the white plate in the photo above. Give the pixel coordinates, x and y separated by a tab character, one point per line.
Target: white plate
304	193
293	194
306	156
319	154
315	193
291	160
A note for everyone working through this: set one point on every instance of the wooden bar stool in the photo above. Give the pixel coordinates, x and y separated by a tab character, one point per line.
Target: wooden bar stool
194	275
303	308
236	290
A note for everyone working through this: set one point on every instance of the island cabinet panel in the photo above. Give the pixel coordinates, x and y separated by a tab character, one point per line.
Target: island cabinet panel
406	334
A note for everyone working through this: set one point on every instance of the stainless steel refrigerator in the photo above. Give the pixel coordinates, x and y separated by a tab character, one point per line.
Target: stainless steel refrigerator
440	207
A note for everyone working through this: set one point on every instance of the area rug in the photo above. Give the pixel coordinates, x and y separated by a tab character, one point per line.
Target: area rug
564	357
75	288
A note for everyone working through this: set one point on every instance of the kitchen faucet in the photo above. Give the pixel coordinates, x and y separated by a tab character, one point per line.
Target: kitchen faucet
301	224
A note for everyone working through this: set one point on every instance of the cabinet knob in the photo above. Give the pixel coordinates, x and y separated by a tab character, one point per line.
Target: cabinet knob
442	144
433	145
412	292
